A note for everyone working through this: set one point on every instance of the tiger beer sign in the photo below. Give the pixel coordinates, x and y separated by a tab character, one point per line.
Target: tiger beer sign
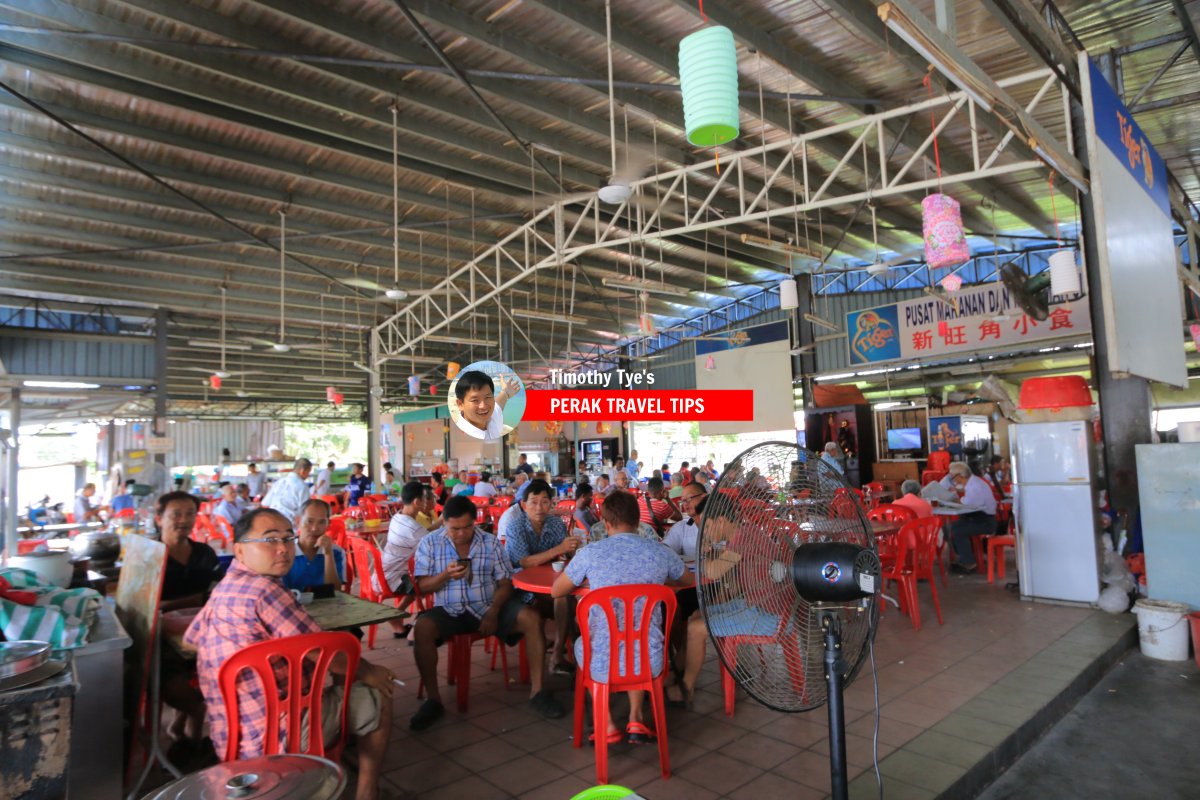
986	317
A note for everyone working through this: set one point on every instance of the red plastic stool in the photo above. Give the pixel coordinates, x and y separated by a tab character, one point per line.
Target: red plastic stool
995	552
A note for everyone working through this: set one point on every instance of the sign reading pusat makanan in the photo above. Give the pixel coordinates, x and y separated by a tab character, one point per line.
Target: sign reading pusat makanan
927	327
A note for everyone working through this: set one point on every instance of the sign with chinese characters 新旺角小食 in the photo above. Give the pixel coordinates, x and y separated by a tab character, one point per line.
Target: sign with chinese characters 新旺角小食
926	327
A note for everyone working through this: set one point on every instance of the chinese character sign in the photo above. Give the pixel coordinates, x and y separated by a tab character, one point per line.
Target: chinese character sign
986	318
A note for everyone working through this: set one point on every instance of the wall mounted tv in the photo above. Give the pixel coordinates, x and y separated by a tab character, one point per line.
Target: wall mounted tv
904	439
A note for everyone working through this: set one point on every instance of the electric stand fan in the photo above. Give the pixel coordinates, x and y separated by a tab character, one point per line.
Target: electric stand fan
789	584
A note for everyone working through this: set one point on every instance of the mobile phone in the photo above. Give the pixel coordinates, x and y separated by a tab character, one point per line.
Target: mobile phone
466	562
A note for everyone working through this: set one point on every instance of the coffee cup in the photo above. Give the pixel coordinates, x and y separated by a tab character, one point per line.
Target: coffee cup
557	566
303	598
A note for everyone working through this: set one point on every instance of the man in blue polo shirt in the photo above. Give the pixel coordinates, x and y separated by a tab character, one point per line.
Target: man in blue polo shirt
318	559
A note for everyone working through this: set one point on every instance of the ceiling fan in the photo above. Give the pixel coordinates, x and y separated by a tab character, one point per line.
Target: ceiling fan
281	344
222	373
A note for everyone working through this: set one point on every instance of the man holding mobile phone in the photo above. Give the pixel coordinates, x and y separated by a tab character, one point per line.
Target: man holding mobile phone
470	579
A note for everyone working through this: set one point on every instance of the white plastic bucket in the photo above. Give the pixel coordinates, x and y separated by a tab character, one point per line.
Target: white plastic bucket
1162	629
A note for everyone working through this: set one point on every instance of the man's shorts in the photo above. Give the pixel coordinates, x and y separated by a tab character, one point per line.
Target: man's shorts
362	716
449	625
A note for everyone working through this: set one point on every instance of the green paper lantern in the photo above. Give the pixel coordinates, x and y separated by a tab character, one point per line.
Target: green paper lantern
709	77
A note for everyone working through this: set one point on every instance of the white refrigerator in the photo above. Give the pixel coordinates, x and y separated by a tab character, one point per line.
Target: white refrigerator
1054	503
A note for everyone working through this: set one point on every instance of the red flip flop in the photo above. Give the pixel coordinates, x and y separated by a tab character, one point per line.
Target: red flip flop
637	733
614	737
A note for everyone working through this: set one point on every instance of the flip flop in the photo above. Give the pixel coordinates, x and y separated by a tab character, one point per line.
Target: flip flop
637	733
614	737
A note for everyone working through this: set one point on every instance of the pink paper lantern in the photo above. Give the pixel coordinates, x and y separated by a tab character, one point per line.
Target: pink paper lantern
710	363
952	283
941	224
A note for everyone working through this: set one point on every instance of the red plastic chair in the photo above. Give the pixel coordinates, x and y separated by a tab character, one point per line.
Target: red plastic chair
846	503
937	466
890	512
632	636
224	528
995	553
340	536
303	694
124	513
915	546
368	564
502	501
334	501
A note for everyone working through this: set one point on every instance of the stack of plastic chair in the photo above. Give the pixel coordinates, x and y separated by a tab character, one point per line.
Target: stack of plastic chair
936	467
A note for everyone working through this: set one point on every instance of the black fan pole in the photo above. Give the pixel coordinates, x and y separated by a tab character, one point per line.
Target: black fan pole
834	670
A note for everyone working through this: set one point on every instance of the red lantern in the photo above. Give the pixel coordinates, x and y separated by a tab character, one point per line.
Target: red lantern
432	388
330	391
215	382
338	397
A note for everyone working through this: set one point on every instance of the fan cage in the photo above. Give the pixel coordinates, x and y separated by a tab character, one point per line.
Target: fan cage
771	500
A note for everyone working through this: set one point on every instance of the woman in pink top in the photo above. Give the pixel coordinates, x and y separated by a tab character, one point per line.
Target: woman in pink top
911	491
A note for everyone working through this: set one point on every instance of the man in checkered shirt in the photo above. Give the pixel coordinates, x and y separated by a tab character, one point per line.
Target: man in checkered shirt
470	579
251	605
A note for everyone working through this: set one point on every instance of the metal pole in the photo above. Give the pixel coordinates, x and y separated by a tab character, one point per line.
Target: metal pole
374	392
838	781
12	466
160	378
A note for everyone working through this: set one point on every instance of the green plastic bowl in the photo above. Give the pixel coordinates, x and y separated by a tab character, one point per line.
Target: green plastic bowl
606	792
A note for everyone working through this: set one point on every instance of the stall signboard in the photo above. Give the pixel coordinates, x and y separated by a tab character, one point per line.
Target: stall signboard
945	435
927	327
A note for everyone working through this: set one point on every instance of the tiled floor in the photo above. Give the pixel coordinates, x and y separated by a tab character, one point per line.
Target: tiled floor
949	696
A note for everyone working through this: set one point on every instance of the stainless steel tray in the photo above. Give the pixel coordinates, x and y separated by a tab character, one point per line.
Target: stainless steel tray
19	657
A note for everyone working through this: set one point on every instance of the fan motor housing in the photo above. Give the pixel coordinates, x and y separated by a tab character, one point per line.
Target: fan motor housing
834	572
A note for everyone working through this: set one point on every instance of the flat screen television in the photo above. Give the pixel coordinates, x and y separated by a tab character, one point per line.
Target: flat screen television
904	439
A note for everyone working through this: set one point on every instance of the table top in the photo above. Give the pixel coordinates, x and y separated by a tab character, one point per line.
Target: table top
883	528
338	613
537	579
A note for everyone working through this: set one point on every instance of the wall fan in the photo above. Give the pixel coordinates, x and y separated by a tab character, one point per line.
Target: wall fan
790	584
1032	294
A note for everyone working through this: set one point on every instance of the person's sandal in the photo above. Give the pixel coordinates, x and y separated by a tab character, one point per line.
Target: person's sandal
684	703
614	737
544	703
429	712
637	733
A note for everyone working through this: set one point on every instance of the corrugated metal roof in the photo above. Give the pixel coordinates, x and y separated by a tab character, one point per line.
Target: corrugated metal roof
252	107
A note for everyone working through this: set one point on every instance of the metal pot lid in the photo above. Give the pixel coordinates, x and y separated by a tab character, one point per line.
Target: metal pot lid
295	777
22	656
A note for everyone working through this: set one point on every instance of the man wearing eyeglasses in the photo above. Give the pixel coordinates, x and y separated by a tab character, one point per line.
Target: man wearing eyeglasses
251	605
682	538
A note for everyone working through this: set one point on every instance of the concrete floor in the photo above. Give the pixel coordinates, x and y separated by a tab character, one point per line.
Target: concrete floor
1134	736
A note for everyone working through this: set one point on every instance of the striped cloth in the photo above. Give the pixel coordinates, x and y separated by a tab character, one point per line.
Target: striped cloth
61	617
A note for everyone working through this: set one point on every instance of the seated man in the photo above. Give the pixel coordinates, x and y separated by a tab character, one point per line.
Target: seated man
655	511
978	519
251	605
910	497
471	582
621	481
229	508
403	535
318	560
539	537
483	487
428	516
585	514
464	484
603	488
621	559
676	486
244	499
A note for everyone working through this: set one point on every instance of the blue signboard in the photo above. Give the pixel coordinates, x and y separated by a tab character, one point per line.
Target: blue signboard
945	434
874	334
1116	128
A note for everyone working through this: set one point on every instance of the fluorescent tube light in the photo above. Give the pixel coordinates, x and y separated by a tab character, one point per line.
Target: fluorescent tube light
216	345
60	385
463	340
837	376
534	313
824	323
925	43
636	285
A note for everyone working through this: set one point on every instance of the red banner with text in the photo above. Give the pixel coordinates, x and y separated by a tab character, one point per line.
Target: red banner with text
716	405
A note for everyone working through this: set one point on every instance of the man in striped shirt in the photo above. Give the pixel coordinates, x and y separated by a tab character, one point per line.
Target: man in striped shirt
251	605
655	511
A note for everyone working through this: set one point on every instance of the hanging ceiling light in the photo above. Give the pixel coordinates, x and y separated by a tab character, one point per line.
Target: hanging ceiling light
789	295
636	285
463	340
551	316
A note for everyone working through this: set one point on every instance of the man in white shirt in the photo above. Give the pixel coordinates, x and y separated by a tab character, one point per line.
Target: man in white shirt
255	479
84	510
480	410
287	495
324	482
977	519
404	532
484	487
602	487
229	508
